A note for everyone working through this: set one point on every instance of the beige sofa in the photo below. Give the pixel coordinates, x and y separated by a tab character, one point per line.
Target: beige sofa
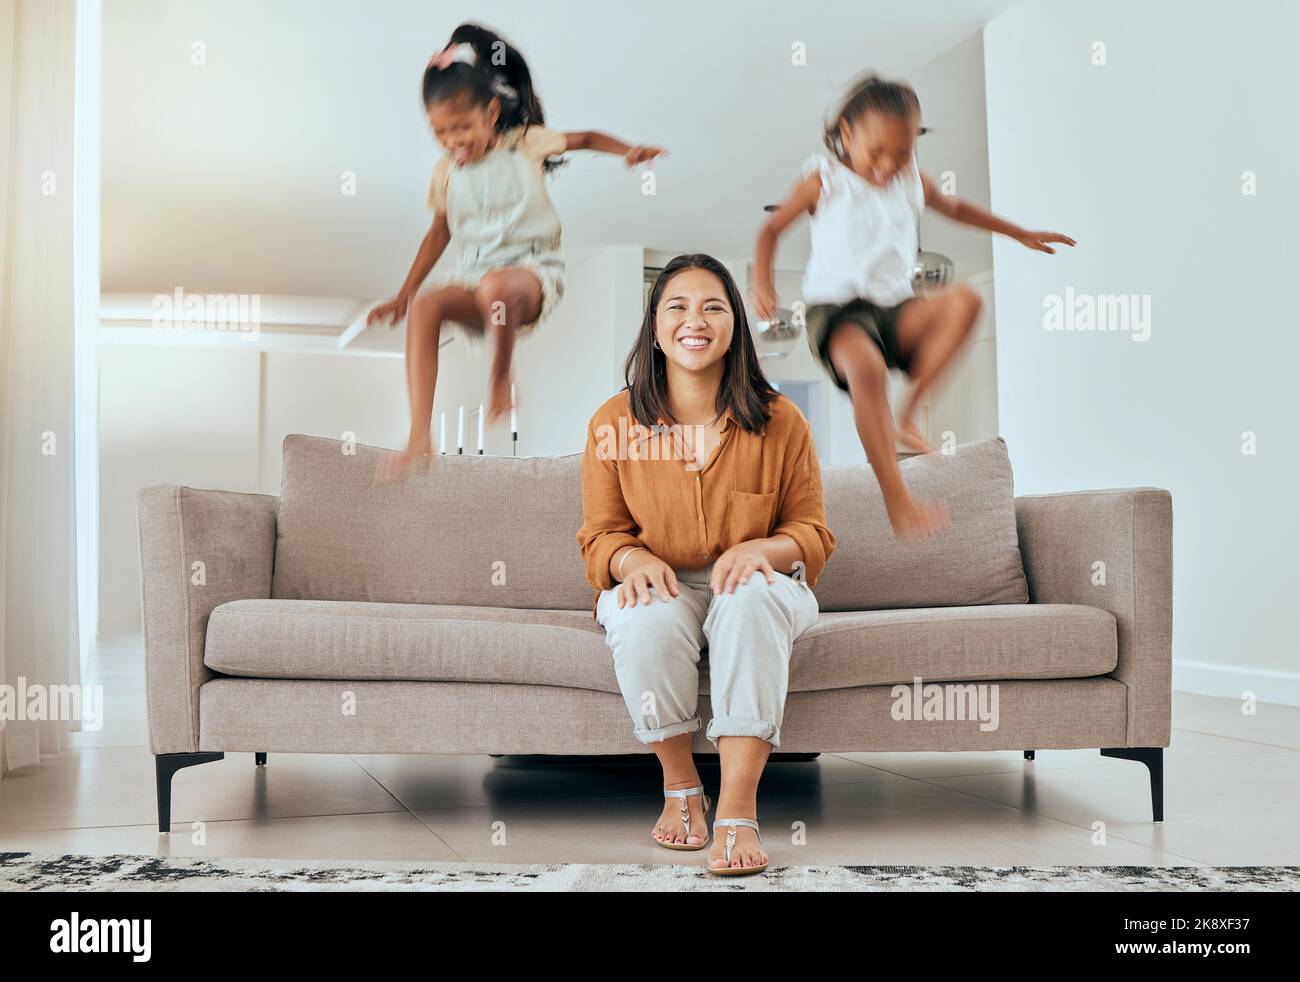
449	614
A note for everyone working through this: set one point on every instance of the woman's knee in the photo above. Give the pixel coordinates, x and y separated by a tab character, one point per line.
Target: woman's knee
758	609
653	634
754	596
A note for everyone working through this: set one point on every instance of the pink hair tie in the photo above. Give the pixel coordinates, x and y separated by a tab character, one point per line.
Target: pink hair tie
452	54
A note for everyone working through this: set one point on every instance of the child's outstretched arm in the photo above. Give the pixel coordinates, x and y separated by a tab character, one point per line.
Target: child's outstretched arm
431	247
802	199
604	143
963	211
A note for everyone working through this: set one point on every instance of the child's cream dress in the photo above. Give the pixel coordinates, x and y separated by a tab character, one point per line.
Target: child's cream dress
500	215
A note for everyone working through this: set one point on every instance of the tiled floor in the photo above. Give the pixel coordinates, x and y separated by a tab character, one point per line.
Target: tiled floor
1232	797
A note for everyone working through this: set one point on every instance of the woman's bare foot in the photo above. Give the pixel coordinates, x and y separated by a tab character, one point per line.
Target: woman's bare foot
748	850
669	827
913	520
394	465
910	435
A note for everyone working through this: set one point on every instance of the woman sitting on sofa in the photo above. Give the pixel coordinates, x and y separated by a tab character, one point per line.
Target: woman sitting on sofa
703	522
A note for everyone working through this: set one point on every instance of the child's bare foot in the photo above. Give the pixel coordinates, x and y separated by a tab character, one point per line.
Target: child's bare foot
910	435
498	397
395	466
913	520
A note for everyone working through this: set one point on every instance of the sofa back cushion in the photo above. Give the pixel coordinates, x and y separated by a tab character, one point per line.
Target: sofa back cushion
500	532
479	531
976	560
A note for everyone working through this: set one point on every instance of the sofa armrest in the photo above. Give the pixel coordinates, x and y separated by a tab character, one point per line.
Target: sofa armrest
1063	538
198	549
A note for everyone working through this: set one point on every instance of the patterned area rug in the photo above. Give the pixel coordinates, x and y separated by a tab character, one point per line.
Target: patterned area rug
30	871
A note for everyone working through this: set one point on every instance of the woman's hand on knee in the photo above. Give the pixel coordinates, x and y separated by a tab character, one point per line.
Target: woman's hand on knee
737	565
646	570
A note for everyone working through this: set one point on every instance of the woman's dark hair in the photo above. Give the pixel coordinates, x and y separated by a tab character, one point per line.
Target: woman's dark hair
871	94
744	389
499	72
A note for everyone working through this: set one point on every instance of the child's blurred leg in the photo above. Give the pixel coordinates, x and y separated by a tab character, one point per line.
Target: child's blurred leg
424	323
931	330
859	362
506	298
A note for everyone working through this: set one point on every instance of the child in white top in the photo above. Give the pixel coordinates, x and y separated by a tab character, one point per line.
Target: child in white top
862	318
490	205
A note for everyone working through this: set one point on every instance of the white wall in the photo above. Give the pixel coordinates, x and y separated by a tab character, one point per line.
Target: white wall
951	90
1141	159
331	396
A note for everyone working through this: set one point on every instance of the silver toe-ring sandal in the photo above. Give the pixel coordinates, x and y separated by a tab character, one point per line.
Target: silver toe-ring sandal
686	819
732	823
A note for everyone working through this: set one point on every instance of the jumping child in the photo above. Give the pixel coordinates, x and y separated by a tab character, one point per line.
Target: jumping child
490	204
862	318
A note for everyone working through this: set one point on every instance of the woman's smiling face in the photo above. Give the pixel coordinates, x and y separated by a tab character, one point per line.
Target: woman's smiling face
694	320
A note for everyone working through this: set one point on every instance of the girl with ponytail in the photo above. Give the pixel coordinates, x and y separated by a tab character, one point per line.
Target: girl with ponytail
490	205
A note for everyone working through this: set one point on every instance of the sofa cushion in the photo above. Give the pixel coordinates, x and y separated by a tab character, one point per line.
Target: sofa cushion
499	532
469	530
321	639
942	644
297	639
976	560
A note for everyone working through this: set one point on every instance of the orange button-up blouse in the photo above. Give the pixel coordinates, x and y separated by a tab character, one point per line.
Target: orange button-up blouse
641	488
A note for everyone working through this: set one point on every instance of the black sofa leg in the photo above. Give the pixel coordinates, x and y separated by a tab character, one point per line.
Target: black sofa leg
165	765
1029	755
259	758
1154	758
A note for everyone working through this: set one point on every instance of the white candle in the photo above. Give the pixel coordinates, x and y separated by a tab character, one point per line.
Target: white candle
480	427
460	430
514	414
442	433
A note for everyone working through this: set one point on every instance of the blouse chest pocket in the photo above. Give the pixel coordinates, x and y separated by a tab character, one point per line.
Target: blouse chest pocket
750	515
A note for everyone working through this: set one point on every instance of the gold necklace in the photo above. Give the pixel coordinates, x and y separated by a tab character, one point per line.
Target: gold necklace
709	423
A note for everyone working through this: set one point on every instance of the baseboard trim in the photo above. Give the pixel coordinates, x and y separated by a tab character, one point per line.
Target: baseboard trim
1230	681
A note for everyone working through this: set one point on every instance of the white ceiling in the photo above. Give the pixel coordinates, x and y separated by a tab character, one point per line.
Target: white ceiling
226	177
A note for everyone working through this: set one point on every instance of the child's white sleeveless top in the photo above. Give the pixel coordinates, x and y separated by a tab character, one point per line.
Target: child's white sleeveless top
863	237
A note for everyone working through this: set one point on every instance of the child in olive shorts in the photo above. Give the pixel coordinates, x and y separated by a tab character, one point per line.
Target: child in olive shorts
879	323
862	318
